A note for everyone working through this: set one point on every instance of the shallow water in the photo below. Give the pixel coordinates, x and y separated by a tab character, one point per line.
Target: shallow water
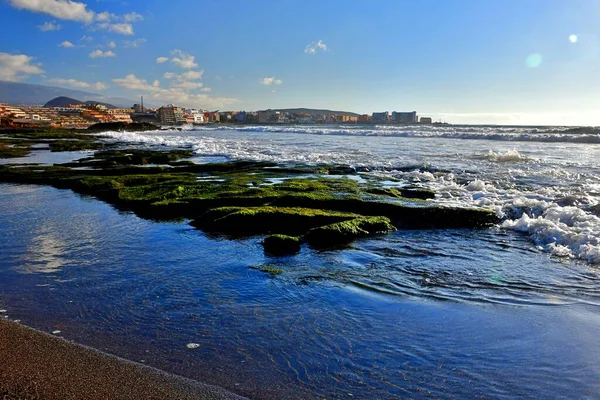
421	314
506	312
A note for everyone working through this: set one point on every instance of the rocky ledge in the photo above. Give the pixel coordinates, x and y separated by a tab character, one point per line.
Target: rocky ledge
291	205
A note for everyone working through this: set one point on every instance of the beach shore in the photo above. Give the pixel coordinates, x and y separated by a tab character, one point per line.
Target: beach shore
37	365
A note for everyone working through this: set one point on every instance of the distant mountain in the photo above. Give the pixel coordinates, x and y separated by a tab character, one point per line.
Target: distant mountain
25	94
63	101
312	111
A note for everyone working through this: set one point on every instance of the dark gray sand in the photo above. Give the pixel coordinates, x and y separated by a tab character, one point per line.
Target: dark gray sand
36	365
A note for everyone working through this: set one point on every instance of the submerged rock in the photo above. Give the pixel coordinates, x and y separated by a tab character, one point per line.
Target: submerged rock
344	232
281	244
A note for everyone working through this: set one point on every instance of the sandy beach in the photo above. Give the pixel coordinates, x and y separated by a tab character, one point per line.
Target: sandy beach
37	365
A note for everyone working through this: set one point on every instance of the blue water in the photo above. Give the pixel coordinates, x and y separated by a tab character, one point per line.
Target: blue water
506	312
420	314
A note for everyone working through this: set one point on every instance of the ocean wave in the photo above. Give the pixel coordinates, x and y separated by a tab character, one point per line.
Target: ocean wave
517	134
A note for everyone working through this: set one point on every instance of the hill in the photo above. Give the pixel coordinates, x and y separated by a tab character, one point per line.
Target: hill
25	94
63	101
313	111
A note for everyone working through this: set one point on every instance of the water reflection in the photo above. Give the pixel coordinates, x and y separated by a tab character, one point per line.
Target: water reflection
45	253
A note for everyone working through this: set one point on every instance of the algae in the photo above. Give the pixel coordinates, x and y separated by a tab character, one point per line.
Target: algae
238	201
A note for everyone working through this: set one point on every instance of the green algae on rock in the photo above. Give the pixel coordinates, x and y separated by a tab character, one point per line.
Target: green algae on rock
13	151
267	219
344	232
245	198
269	269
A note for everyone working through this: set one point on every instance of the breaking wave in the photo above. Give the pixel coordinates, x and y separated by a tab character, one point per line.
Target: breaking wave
498	133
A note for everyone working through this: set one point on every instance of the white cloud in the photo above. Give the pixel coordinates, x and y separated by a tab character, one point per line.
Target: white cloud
79	84
187	85
101	54
182	94
271	81
133	17
86	38
122	29
205	89
315	46
134	43
170	75
161	60
17	67
184	60
105	17
191	75
66	43
112	45
62	9
133	82
50	26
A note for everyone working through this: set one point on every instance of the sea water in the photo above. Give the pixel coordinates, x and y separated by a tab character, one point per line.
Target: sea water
505	312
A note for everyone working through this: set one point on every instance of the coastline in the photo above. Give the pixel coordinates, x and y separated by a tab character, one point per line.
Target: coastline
37	365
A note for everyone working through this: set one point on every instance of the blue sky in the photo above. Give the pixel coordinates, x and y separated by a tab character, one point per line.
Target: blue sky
462	61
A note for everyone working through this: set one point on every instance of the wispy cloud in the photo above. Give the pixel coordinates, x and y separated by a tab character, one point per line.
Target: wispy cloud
17	67
102	54
181	91
79	84
133	17
134	43
66	44
183	60
120	28
162	60
112	45
271	81
50	26
313	47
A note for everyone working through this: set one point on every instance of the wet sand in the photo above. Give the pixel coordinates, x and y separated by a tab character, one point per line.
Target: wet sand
37	365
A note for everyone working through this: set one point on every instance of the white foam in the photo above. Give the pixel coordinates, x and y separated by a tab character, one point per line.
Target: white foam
508	156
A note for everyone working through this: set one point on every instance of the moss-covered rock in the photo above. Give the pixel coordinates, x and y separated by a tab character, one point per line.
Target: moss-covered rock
13	151
266	219
269	269
344	232
281	244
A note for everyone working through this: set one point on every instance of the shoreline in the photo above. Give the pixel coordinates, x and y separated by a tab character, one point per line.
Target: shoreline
37	365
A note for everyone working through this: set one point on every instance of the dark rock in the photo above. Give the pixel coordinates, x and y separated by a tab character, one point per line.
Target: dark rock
281	244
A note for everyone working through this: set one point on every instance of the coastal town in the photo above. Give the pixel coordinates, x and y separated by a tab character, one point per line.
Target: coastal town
64	114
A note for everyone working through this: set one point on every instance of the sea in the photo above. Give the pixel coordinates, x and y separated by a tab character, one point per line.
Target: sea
509	311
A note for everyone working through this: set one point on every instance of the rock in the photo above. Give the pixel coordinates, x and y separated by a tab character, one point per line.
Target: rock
267	219
344	232
281	244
